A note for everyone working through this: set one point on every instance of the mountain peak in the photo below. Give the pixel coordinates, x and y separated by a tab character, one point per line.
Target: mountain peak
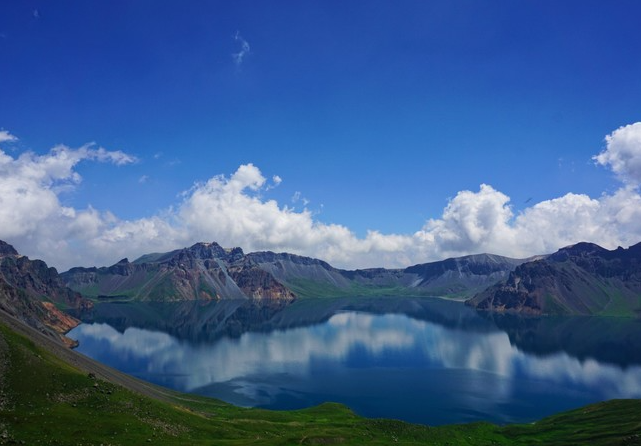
204	250
581	249
7	250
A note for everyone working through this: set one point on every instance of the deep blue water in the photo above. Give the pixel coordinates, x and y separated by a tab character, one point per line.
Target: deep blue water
423	361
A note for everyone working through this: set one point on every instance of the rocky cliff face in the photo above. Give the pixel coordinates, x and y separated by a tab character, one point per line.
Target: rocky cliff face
33	292
580	279
202	271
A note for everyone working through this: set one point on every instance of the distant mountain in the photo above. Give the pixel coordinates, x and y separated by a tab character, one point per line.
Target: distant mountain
463	276
208	271
454	278
34	293
580	279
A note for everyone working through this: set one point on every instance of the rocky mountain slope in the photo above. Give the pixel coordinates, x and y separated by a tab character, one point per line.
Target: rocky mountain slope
203	271
580	279
34	293
208	271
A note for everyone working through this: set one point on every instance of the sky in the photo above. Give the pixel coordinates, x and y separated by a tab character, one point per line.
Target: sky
366	134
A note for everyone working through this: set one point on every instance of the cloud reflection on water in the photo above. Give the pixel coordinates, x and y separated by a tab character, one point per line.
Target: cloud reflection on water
389	341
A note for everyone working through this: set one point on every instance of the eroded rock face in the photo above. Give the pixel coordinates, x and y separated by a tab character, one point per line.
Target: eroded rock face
200	272
30	291
579	279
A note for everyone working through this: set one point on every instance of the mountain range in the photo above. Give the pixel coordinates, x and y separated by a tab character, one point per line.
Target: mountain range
208	271
581	279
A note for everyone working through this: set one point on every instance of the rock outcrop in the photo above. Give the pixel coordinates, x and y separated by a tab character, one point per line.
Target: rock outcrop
579	279
202	271
34	293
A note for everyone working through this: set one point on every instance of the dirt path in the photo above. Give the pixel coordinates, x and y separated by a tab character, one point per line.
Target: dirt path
81	362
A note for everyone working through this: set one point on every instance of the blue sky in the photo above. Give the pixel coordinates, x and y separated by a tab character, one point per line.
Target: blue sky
375	116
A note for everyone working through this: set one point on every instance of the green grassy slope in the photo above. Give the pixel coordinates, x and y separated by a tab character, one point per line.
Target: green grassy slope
45	399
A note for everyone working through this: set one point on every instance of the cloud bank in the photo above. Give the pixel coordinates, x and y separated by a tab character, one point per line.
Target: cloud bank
232	210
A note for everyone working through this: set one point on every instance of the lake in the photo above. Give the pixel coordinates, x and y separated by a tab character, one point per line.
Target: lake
427	361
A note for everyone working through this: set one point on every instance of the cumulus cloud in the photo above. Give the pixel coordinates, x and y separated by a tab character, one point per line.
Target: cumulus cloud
623	153
471	221
484	222
233	211
31	214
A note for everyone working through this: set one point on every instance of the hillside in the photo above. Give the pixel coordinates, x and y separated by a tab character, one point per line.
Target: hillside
52	395
208	271
35	294
583	279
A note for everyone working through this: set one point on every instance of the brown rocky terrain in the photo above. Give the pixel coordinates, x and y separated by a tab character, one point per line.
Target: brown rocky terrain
34	293
200	272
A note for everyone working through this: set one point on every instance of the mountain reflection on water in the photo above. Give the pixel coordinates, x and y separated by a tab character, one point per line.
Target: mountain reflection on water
422	360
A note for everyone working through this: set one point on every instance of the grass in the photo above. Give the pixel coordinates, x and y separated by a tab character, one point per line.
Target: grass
44	400
305	288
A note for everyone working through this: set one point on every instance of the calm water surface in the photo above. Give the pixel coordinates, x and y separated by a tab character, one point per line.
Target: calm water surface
426	361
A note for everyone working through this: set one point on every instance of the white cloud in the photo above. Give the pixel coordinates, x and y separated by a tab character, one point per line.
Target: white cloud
298	196
31	214
276	180
244	49
233	211
5	136
471	221
623	153
116	157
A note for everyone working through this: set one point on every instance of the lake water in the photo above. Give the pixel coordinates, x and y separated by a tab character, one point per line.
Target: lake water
424	360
